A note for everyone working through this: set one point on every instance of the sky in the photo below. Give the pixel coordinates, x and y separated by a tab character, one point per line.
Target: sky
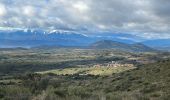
145	18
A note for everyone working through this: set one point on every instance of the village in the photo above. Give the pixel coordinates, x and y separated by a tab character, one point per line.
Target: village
114	64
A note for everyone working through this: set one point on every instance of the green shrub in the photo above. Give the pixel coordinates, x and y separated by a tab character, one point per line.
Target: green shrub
16	93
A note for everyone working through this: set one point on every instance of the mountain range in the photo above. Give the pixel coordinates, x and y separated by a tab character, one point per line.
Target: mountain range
33	38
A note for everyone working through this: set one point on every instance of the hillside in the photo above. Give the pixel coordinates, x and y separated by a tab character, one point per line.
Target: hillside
151	81
147	82
109	44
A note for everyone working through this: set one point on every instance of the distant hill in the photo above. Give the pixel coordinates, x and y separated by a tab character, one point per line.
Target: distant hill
17	48
104	44
161	44
109	44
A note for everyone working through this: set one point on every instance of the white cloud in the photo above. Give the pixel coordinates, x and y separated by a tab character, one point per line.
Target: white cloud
28	10
2	10
133	16
81	6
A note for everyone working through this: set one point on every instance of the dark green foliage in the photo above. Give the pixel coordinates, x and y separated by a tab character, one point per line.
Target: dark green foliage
15	93
19	82
148	81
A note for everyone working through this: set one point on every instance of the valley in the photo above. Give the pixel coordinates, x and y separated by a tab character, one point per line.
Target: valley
83	74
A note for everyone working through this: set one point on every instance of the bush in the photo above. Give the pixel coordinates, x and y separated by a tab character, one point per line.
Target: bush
78	91
16	93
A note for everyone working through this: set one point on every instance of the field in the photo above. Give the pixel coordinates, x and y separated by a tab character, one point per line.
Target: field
34	60
83	74
88	71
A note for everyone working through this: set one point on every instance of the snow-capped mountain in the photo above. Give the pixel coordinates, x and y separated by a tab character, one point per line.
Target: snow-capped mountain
38	37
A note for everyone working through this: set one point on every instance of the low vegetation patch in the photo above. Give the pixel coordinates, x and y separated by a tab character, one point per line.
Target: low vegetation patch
88	71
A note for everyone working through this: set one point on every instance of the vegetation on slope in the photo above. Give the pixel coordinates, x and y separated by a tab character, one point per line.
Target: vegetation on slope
151	81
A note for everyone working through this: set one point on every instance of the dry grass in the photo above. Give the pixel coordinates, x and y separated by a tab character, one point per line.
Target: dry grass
90	70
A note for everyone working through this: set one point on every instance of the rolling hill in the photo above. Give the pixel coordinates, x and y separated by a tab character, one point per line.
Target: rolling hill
109	44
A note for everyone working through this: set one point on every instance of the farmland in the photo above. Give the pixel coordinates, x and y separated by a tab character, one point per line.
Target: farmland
83	74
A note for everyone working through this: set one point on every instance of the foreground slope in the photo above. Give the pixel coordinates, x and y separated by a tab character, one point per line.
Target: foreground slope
147	82
151	81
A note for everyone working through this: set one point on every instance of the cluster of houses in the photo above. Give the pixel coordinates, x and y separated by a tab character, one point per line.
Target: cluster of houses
114	64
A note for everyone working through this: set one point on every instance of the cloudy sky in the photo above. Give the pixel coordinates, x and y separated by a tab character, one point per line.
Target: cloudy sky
146	18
